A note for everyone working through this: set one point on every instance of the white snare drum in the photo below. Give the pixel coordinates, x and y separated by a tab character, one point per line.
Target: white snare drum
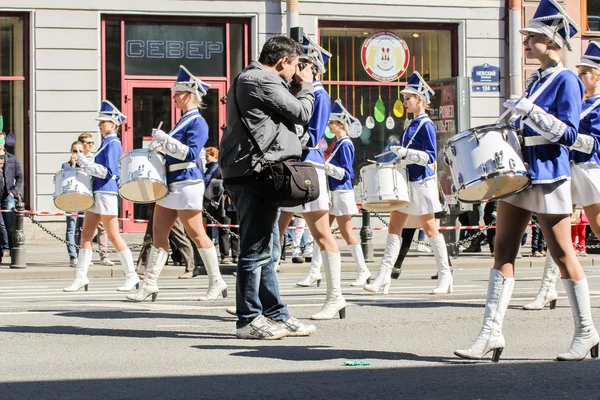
384	187
143	177
73	190
486	163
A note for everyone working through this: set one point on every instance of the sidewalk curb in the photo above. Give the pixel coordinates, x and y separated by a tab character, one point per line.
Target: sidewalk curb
39	271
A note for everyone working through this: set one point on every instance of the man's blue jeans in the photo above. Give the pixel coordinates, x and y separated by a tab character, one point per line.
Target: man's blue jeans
73	234
8	203
256	284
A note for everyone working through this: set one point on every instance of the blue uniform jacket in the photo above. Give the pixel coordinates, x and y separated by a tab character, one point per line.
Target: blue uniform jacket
550	162
317	124
343	158
108	156
589	125
423	140
191	130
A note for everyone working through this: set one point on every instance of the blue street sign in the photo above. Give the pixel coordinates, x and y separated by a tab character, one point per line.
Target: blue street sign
485	74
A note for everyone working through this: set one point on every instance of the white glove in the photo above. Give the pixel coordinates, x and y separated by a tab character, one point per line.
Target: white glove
399	151
334	171
583	143
159	135
411	156
522	107
82	160
175	148
97	170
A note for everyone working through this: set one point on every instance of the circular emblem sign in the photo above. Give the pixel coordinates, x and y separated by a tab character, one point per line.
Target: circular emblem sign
385	56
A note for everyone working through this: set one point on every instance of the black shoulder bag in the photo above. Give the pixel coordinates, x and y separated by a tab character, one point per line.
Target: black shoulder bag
286	183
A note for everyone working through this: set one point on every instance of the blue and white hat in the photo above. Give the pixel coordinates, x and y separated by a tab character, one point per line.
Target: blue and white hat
352	125
416	85
591	58
315	54
551	20
187	82
108	112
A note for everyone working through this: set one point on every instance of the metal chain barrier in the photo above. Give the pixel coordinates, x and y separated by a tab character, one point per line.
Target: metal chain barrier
458	243
60	239
577	245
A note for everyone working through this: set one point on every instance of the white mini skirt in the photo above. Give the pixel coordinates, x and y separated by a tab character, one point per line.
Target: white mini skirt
544	198
585	184
424	198
105	204
320	204
184	196
343	203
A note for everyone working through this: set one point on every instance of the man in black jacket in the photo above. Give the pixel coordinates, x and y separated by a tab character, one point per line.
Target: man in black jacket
13	180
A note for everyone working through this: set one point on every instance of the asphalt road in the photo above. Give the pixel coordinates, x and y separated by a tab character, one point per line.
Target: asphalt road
94	345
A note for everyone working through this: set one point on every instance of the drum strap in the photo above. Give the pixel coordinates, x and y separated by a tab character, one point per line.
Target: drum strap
541	89
529	141
181	166
589	110
421	123
333	153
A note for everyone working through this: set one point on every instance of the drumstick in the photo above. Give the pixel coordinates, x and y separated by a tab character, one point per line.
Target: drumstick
372	161
385	153
152	145
508	110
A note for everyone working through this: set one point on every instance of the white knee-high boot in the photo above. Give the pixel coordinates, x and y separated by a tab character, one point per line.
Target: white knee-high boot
83	265
383	278
148	287
440	253
131	277
363	275
586	338
216	284
334	301
314	271
547	293
490	337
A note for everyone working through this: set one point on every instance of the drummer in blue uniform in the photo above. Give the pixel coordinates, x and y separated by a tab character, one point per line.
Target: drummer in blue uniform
585	167
418	149
340	171
105	170
316	212
548	117
182	146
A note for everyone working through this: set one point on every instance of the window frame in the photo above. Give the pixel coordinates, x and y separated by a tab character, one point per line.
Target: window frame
584	21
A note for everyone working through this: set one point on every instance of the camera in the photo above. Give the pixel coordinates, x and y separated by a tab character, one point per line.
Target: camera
314	70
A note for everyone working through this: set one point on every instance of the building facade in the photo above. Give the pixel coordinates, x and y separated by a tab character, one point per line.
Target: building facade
57	64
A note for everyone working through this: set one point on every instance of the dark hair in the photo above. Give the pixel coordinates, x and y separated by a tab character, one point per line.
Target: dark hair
277	48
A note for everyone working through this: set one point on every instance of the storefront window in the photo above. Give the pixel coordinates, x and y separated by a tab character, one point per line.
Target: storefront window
13	86
374	96
593	15
113	62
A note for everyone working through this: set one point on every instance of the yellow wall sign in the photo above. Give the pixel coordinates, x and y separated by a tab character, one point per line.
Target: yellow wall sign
385	56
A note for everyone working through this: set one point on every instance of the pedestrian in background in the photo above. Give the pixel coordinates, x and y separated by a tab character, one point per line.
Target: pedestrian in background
73	233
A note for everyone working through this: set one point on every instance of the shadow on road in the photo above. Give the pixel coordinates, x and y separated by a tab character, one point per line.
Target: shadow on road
578	380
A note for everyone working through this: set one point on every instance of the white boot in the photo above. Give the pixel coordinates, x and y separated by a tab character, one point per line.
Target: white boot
586	338
547	293
383	278
131	277
440	253
83	265
490	337
148	287
363	275
314	271
216	284
334	301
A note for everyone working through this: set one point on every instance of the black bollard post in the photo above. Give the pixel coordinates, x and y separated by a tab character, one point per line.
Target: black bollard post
366	236
17	252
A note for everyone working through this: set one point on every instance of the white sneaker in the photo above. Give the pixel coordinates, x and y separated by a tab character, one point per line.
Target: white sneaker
261	328
295	327
423	249
107	262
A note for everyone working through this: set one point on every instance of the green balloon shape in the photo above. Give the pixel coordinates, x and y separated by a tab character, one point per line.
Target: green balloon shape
328	133
379	111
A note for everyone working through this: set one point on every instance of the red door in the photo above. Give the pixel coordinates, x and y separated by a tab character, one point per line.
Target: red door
147	103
